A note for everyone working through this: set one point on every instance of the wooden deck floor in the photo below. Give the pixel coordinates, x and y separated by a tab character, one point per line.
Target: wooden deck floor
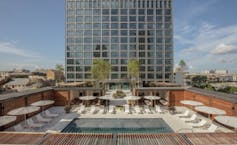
20	138
119	139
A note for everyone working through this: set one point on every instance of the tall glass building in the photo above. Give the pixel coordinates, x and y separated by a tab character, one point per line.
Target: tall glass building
117	31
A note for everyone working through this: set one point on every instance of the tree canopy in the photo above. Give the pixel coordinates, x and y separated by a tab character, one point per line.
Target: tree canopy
59	67
100	70
182	65
200	81
134	70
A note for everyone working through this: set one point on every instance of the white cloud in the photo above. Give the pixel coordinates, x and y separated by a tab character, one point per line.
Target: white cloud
11	48
224	49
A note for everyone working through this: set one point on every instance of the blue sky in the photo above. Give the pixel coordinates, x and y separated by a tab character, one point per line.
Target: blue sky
32	34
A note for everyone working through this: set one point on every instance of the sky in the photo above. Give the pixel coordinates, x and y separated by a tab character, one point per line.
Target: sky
32	34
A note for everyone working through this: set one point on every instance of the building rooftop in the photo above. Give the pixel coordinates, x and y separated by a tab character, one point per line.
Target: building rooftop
18	81
24	93
224	96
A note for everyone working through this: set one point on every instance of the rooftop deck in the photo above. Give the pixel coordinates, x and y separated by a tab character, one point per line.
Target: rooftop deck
119	139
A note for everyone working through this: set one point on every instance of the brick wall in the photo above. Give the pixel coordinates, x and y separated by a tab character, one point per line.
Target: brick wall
175	97
61	98
222	104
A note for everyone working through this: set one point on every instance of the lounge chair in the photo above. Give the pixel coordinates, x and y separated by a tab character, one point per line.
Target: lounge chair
127	110
212	128
199	124
75	109
93	109
41	119
192	118
32	124
147	110
158	109
50	114
185	114
137	109
102	110
111	109
81	110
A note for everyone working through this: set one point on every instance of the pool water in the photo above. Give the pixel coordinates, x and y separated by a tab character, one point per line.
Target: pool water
113	125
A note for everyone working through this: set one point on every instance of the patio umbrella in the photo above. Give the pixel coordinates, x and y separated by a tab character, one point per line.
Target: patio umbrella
230	121
87	98
23	111
4	120
191	102
42	103
210	110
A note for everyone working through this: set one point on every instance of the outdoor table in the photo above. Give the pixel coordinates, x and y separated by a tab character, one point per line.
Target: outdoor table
4	120
210	110
230	121
23	111
191	103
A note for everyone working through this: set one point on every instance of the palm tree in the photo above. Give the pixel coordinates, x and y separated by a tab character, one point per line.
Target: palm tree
100	71
59	67
134	71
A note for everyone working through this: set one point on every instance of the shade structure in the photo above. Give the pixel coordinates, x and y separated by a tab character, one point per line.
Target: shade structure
24	110
230	121
210	110
191	102
152	97
87	98
4	120
131	98
43	103
105	97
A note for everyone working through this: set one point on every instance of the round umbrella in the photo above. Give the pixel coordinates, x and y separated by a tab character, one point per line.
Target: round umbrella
42	103
230	121
87	98
105	97
152	97
210	110
24	111
131	98
4	120
191	102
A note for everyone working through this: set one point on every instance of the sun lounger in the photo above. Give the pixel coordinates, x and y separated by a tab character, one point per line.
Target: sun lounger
212	128
93	109
50	114
32	124
111	109
137	109
41	119
199	124
75	109
185	114
81	110
127	110
102	110
192	118
158	109
147	110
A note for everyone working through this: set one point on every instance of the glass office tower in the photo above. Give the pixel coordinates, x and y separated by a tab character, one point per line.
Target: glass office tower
117	31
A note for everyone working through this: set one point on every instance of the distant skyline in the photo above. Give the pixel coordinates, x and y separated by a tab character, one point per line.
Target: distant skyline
32	34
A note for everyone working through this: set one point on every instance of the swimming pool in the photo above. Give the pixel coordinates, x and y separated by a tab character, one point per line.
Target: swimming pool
121	125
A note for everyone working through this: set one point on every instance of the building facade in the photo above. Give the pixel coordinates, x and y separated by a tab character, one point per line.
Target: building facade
118	31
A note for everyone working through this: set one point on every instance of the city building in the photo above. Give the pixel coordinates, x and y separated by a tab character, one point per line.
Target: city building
54	75
17	84
118	31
